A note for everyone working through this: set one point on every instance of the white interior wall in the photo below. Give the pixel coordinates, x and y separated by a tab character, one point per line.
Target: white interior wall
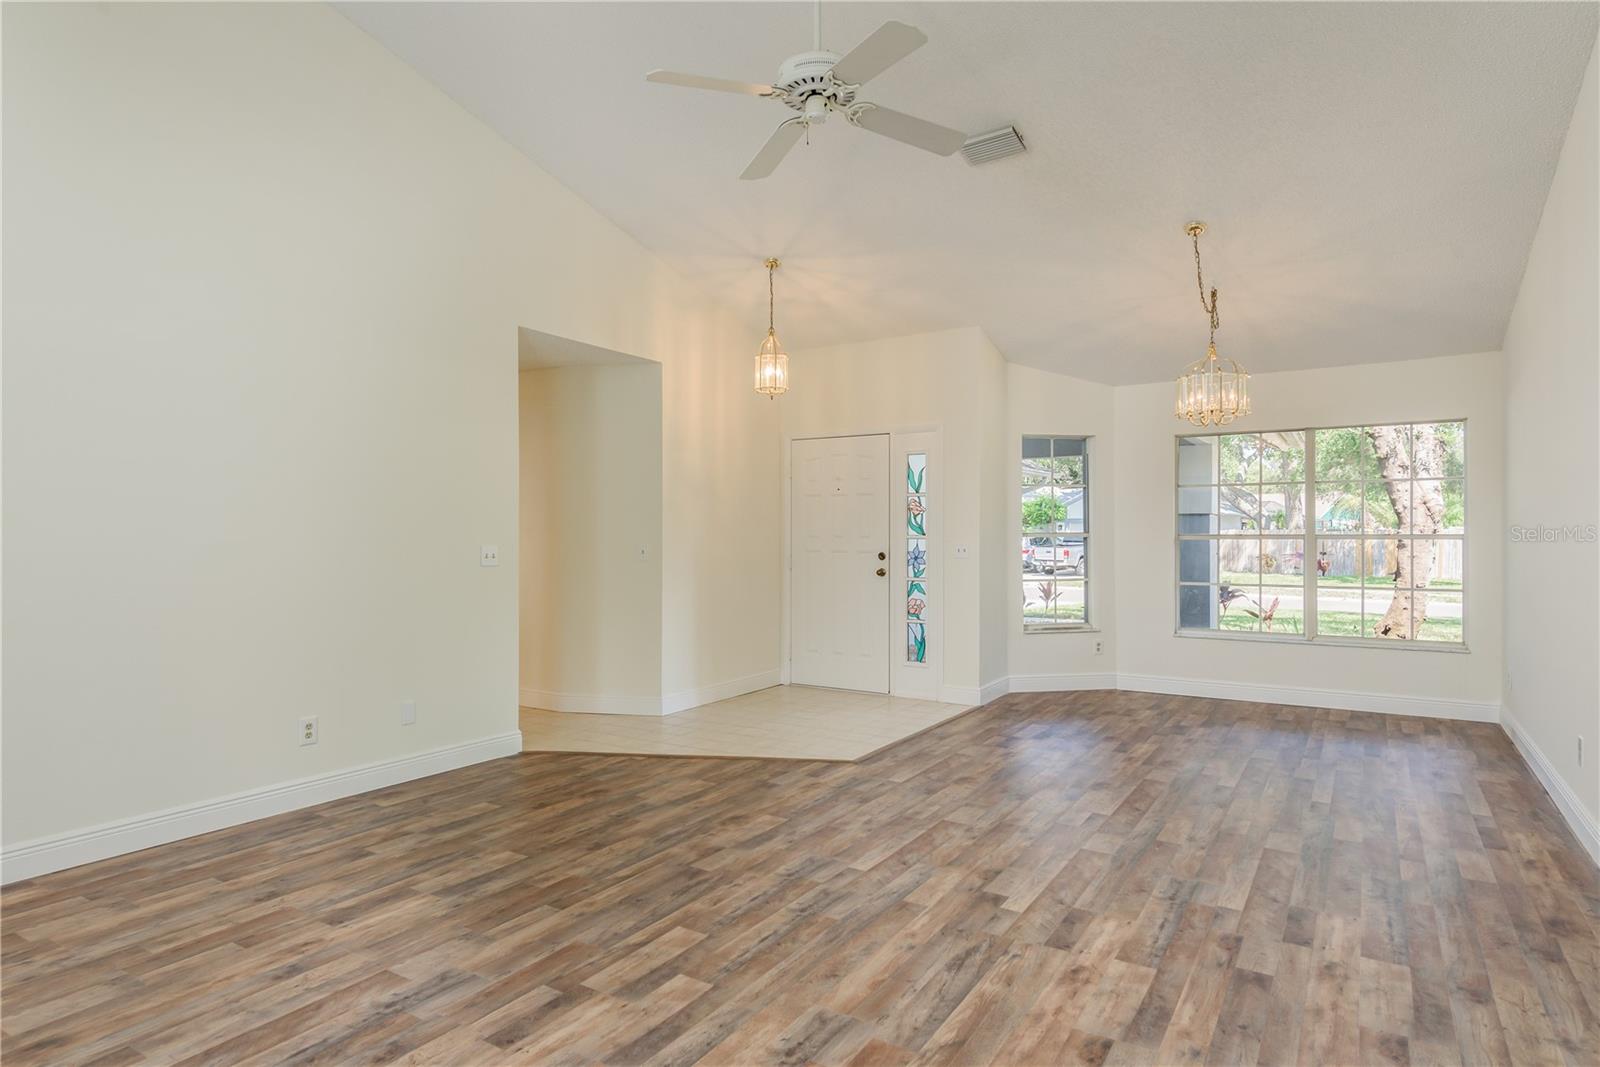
589	555
260	413
1552	383
949	379
1380	676
995	544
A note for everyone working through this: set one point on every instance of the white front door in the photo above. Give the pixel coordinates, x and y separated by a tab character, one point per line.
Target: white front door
839	585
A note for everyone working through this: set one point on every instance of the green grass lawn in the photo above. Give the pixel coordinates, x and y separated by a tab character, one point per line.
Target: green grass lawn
1335	624
1039	613
1246	578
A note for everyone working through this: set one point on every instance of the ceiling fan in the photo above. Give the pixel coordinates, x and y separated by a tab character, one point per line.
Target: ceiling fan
819	83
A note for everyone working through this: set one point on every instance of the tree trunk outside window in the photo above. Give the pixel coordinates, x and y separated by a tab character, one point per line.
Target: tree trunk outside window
1420	508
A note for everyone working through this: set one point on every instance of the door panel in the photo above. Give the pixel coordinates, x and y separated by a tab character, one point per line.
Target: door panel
839	521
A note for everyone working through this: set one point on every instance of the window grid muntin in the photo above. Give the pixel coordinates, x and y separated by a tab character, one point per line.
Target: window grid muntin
1056	476
1312	537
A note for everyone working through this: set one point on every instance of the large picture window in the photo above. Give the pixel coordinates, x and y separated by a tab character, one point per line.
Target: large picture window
1055	533
1354	532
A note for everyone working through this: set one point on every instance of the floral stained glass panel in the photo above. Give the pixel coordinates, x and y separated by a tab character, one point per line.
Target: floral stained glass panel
916	557
916	642
916	472
916	515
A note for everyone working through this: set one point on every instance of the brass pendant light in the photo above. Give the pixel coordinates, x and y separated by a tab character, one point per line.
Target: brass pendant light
1211	391
772	363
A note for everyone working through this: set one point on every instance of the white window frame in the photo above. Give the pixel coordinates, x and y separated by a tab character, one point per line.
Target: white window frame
1087	578
1310	536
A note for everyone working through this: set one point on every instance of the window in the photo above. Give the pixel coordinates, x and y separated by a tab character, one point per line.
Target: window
1354	532
1055	533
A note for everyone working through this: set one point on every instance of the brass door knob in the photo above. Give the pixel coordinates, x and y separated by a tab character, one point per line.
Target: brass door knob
881	572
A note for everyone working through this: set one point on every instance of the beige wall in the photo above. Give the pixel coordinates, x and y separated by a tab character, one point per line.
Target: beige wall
1402	678
1552	357
589	556
260	411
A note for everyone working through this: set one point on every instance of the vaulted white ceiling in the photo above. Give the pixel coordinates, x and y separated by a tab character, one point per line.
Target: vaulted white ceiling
1372	173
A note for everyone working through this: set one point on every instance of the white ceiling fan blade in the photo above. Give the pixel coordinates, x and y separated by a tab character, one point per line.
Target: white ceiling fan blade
698	81
778	145
920	133
886	46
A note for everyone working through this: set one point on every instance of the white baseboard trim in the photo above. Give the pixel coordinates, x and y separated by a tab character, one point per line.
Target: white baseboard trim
43	855
1061	683
1343	699
589	703
673	703
1582	824
1346	700
970	695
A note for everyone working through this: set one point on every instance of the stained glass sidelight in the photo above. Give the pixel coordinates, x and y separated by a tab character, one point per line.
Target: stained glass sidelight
916	557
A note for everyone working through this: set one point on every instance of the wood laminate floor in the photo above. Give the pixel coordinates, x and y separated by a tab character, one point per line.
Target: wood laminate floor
781	722
1093	878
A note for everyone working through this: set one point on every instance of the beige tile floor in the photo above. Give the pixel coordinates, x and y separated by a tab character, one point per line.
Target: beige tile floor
784	722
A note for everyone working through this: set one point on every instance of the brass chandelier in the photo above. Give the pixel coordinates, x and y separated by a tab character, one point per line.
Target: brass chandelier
772	362
1211	391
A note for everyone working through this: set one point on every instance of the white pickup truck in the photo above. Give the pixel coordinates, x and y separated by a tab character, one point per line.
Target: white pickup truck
1054	554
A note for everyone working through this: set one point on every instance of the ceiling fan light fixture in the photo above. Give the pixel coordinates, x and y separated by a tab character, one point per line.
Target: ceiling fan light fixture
772	362
1211	391
818	82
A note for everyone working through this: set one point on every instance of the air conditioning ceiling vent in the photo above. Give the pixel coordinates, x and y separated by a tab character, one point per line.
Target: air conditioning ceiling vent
996	144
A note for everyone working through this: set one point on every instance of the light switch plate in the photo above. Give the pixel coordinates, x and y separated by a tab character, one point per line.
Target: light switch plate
408	712
489	556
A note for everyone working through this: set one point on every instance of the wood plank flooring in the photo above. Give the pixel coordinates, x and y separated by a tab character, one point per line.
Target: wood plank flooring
1101	878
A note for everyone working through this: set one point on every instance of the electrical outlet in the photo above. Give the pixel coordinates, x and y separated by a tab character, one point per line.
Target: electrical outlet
308	730
961	552
488	555
1099	647
1580	750
408	713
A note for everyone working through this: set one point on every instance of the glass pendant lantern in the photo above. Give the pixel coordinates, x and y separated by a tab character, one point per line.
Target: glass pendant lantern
1211	391
772	362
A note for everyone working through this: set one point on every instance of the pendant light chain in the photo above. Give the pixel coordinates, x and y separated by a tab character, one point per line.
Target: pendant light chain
1210	309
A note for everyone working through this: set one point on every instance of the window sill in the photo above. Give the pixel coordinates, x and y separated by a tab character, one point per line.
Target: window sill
1316	642
1058	629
